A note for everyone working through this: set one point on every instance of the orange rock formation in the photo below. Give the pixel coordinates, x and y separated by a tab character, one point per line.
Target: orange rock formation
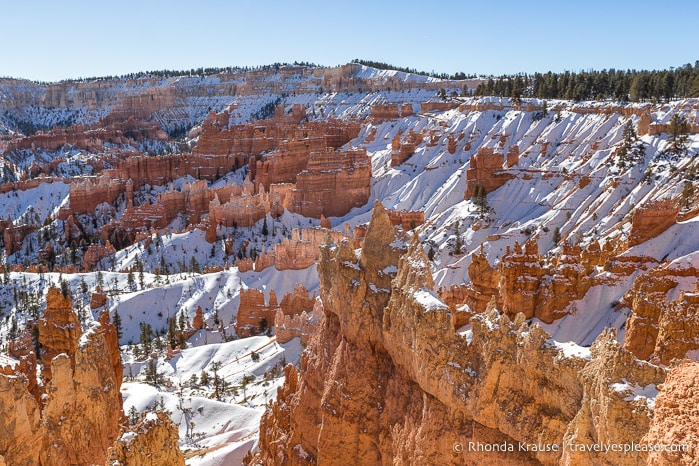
676	420
651	219
82	395
151	442
386	378
486	169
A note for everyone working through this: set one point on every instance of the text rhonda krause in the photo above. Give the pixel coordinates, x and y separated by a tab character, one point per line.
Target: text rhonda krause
576	447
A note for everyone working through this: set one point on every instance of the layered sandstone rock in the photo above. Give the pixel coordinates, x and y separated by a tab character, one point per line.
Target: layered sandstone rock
302	325
151	442
388	111
198	322
407	219
80	400
81	392
525	282
13	236
96	253
111	339
424	387
484	284
486	170
332	183
98	299
651	219
20	422
615	408
404	148
23	350
675	426
254	315
59	330
661	328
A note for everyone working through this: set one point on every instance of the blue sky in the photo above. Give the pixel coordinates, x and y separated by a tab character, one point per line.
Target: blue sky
52	40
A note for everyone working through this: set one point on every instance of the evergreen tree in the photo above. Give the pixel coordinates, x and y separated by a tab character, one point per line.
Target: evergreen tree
116	320
265	230
632	148
557	235
687	194
678	131
480	199
171	332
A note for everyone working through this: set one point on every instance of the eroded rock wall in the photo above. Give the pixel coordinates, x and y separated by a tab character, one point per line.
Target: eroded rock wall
387	380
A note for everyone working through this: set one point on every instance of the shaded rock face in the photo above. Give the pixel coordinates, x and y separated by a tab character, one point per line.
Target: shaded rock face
80	413
151	442
661	328
387	380
676	420
518	284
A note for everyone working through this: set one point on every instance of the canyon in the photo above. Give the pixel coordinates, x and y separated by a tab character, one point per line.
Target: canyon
305	265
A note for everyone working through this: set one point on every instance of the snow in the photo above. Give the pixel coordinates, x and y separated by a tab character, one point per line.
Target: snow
429	300
544	195
634	392
586	318
570	349
228	427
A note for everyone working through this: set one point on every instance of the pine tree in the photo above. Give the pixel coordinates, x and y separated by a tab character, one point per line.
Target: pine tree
116	320
557	235
678	130
687	193
171	332
265	230
632	148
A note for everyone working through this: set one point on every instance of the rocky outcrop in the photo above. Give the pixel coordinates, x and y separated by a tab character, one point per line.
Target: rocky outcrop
84	399
13	236
332	183
59	331
86	194
617	404
388	111
254	315
151	442
98	299
407	219
24	351
661	328
405	147
526	282
486	170
81	393
20	422
651	219
198	321
111	340
484	284
675	426
96	253
425	391
293	313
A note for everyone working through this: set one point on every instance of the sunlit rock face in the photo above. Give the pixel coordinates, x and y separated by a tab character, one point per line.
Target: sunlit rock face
387	379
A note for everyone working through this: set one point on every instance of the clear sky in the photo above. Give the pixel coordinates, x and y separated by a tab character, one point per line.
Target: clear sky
53	40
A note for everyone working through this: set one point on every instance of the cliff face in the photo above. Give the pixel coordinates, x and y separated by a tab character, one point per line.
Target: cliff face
676	420
386	379
80	413
661	328
151	442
